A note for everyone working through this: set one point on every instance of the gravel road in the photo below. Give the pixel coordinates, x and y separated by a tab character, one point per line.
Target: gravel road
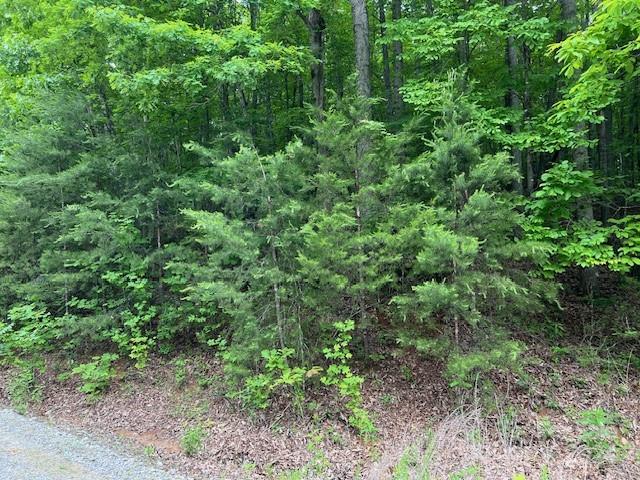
31	449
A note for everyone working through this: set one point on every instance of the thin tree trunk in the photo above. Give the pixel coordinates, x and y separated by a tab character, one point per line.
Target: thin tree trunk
363	65
362	48
512	100
396	10
316	25
280	320
604	152
110	128
386	67
580	153
530	179
224	101
300	91
254	13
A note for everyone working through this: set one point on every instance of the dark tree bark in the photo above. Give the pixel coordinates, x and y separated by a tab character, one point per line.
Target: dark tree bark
604	142
363	65
512	100
530	178
396	9
580	153
317	26
253	14
300	81
362	48
386	66
463	43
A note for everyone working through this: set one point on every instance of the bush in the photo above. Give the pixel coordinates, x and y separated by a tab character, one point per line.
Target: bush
96	376
191	441
23	386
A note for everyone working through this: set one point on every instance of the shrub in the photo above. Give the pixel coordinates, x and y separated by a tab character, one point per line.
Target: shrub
599	437
96	375
23	386
191	441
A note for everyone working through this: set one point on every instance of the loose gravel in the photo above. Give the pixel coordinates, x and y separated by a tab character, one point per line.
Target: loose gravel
31	449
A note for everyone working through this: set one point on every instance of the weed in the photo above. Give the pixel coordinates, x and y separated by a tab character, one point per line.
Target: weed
202	375
416	460
468	473
599	437
507	422
474	435
335	437
96	375
580	382
547	428
556	378
558	353
319	464
545	474
181	373
349	385
150	451
258	389
23	386
588	357
191	441
623	389
604	378
387	399
407	373
248	467
552	403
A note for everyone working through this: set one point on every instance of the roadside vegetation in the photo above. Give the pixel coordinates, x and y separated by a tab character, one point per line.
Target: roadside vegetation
393	239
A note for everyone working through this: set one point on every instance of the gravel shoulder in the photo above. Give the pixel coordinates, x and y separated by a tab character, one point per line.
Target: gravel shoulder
30	449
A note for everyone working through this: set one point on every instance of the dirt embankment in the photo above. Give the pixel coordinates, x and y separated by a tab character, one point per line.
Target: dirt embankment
531	425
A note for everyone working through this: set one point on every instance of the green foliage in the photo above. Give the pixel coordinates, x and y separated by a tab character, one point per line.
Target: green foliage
547	428
278	375
23	386
163	184
602	56
574	241
416	460
191	441
181	373
96	376
339	373
599	437
29	331
466	264
464	369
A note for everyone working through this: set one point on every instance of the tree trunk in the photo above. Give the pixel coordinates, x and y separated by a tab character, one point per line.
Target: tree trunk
362	48
300	91
386	67
580	153
604	152
396	9
316	25
512	99
363	64
526	58
253	14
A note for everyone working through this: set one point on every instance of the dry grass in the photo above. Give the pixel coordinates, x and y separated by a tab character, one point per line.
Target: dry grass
468	445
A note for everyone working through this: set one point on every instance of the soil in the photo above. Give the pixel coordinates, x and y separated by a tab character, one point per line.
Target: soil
407	396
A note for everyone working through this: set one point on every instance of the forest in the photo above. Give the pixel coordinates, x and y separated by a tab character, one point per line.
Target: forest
280	201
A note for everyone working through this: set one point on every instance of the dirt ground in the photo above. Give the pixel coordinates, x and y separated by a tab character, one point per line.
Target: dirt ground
531	424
